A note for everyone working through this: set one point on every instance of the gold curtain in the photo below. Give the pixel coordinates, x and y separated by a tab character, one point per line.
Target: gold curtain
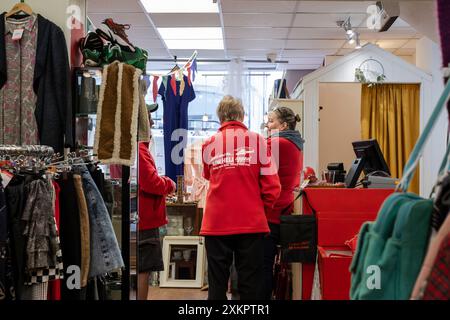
390	114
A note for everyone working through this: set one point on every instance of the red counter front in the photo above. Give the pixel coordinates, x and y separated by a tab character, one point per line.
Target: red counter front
340	214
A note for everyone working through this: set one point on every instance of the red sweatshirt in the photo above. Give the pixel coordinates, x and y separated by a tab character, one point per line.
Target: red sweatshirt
289	162
152	191
243	184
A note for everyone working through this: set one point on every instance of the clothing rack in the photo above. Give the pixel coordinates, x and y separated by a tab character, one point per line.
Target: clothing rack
27	150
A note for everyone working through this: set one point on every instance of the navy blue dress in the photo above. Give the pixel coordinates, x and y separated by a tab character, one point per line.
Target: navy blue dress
175	117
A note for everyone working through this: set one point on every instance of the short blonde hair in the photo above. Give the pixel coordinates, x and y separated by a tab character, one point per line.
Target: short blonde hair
230	109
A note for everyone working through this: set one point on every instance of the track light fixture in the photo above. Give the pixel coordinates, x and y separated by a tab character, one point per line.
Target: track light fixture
346	25
352	35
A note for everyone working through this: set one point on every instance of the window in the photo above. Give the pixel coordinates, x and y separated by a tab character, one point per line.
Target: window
203	121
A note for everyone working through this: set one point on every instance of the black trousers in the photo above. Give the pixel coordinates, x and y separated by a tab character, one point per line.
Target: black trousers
248	251
69	232
271	242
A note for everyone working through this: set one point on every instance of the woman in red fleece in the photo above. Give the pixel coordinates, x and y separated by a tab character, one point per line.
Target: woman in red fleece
243	186
286	145
152	215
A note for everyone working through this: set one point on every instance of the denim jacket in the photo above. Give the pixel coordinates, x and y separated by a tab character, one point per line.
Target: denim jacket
105	251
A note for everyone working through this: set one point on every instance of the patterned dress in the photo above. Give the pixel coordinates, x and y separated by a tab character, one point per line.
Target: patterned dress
17	99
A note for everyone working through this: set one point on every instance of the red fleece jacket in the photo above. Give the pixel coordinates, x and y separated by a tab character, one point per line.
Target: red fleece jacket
289	162
152	191
243	184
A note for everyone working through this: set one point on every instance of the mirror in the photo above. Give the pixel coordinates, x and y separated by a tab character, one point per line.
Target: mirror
114	285
184	262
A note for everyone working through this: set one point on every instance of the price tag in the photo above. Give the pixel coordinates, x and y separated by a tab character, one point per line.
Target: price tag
17	34
6	178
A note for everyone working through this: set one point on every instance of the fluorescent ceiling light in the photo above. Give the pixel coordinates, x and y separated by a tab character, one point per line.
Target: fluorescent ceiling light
190	33
193	44
180	6
192	38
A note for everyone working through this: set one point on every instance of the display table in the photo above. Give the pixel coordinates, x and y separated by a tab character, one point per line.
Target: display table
340	214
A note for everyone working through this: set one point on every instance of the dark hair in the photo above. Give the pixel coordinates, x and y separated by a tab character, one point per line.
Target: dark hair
285	114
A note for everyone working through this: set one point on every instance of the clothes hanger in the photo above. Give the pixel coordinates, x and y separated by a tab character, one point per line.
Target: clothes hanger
176	67
20	10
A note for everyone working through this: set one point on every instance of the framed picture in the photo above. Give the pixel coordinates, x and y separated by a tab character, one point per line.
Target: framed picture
184	262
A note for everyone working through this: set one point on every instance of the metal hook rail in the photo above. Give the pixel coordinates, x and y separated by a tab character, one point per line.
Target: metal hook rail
27	150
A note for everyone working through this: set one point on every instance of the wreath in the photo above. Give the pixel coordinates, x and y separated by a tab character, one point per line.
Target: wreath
367	75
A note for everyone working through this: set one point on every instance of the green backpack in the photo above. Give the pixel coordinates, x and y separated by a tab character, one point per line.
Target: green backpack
391	250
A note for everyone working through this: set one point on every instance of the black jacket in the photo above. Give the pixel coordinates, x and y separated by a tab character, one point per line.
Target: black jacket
51	83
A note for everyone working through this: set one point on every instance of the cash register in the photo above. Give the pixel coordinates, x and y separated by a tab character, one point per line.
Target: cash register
370	160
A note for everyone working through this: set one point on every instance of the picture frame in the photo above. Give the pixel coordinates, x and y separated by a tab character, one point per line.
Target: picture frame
184	262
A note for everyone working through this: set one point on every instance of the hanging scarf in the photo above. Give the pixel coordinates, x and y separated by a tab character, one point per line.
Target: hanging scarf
182	85
189	76
194	69
173	84
155	88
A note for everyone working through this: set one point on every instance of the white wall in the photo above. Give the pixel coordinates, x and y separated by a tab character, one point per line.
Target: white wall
396	71
429	59
421	15
57	11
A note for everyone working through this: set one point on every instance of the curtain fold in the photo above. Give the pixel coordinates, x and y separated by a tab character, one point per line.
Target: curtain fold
390	114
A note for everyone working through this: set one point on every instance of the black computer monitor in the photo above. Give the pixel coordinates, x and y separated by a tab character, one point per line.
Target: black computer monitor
369	159
373	157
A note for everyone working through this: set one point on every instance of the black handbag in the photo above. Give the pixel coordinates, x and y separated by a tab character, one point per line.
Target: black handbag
298	236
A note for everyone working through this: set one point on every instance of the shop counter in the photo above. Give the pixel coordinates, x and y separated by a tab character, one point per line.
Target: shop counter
340	214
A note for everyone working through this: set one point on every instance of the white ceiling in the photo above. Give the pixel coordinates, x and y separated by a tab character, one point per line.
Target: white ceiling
300	32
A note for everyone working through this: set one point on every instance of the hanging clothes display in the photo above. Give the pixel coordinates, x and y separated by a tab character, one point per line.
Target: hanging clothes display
84	230
17	100
36	253
105	252
7	291
117	115
176	98
39	198
69	232
43	253
34	75
54	288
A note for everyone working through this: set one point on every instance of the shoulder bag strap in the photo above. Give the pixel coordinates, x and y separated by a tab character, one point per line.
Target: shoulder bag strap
301	193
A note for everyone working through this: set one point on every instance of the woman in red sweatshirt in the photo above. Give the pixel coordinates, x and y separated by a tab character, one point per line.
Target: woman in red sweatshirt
152	215
243	187
286	145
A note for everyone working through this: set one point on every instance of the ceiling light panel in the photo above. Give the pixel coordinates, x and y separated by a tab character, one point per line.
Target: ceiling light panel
192	38
195	44
177	6
190	33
